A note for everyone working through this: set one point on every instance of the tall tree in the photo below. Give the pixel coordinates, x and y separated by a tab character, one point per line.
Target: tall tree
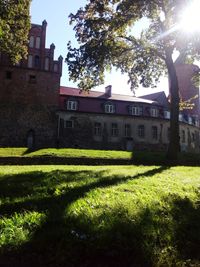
104	32
14	28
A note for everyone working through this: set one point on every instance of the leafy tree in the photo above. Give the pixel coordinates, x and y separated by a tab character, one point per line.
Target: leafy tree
103	30
14	28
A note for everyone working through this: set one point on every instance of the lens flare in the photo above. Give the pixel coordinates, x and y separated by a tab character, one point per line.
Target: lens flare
190	18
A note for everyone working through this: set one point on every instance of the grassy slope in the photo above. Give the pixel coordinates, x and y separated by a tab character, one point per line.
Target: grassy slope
99	216
65	152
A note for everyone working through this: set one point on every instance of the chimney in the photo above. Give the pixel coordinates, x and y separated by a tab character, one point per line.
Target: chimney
108	90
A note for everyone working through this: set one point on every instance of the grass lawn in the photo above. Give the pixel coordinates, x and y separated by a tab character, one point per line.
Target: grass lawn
65	152
102	216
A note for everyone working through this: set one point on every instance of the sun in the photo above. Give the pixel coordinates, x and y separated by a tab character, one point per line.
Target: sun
190	17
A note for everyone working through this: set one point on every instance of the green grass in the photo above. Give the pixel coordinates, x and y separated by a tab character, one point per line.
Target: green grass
119	216
65	152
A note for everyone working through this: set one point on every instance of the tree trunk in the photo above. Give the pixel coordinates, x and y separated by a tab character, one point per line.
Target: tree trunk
174	146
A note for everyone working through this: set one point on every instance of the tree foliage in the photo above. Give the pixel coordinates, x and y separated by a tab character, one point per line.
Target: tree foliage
14	28
105	36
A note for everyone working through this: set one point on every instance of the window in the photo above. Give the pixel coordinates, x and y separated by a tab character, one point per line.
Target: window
154	112
37	61
69	124
127	130
9	75
97	129
166	114
30	61
109	108
154	132
72	105
114	129
141	131
31	42
37	45
55	67
32	79
46	66
183	136
136	110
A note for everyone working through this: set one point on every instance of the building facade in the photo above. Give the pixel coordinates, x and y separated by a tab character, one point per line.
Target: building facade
111	121
29	94
35	111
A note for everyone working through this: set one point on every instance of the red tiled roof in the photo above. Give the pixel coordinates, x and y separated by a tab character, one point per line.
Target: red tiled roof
69	91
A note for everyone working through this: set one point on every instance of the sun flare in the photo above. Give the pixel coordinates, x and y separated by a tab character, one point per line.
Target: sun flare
190	17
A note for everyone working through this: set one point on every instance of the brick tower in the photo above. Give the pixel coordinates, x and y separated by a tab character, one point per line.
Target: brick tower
29	94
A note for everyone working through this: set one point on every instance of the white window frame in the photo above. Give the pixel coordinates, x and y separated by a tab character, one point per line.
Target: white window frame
109	108
136	110
154	112
72	105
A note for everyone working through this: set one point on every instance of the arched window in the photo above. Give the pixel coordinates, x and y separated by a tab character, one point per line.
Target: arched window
46	66
31	42
37	45
37	62
30	61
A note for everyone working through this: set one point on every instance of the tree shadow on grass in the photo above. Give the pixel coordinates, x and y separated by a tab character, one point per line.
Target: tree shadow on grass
63	240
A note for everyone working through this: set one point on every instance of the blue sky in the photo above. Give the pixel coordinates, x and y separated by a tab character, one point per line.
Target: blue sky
60	32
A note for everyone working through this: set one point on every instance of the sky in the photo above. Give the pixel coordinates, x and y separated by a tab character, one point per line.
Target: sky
60	33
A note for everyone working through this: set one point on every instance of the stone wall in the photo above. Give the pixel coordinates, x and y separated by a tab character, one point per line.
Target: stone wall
28	102
82	133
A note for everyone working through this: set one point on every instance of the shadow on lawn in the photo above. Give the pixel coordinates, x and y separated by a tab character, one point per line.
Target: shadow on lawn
113	239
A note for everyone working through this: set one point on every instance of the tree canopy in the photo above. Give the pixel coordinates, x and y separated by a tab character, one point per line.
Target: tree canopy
14	28
104	33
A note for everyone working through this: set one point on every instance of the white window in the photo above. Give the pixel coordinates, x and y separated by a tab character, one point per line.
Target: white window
154	112
69	124
72	105
30	61
31	42
109	108
46	66
37	45
136	110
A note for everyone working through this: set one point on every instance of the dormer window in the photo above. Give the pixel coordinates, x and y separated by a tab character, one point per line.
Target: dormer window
154	112
109	108
136	110
72	105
